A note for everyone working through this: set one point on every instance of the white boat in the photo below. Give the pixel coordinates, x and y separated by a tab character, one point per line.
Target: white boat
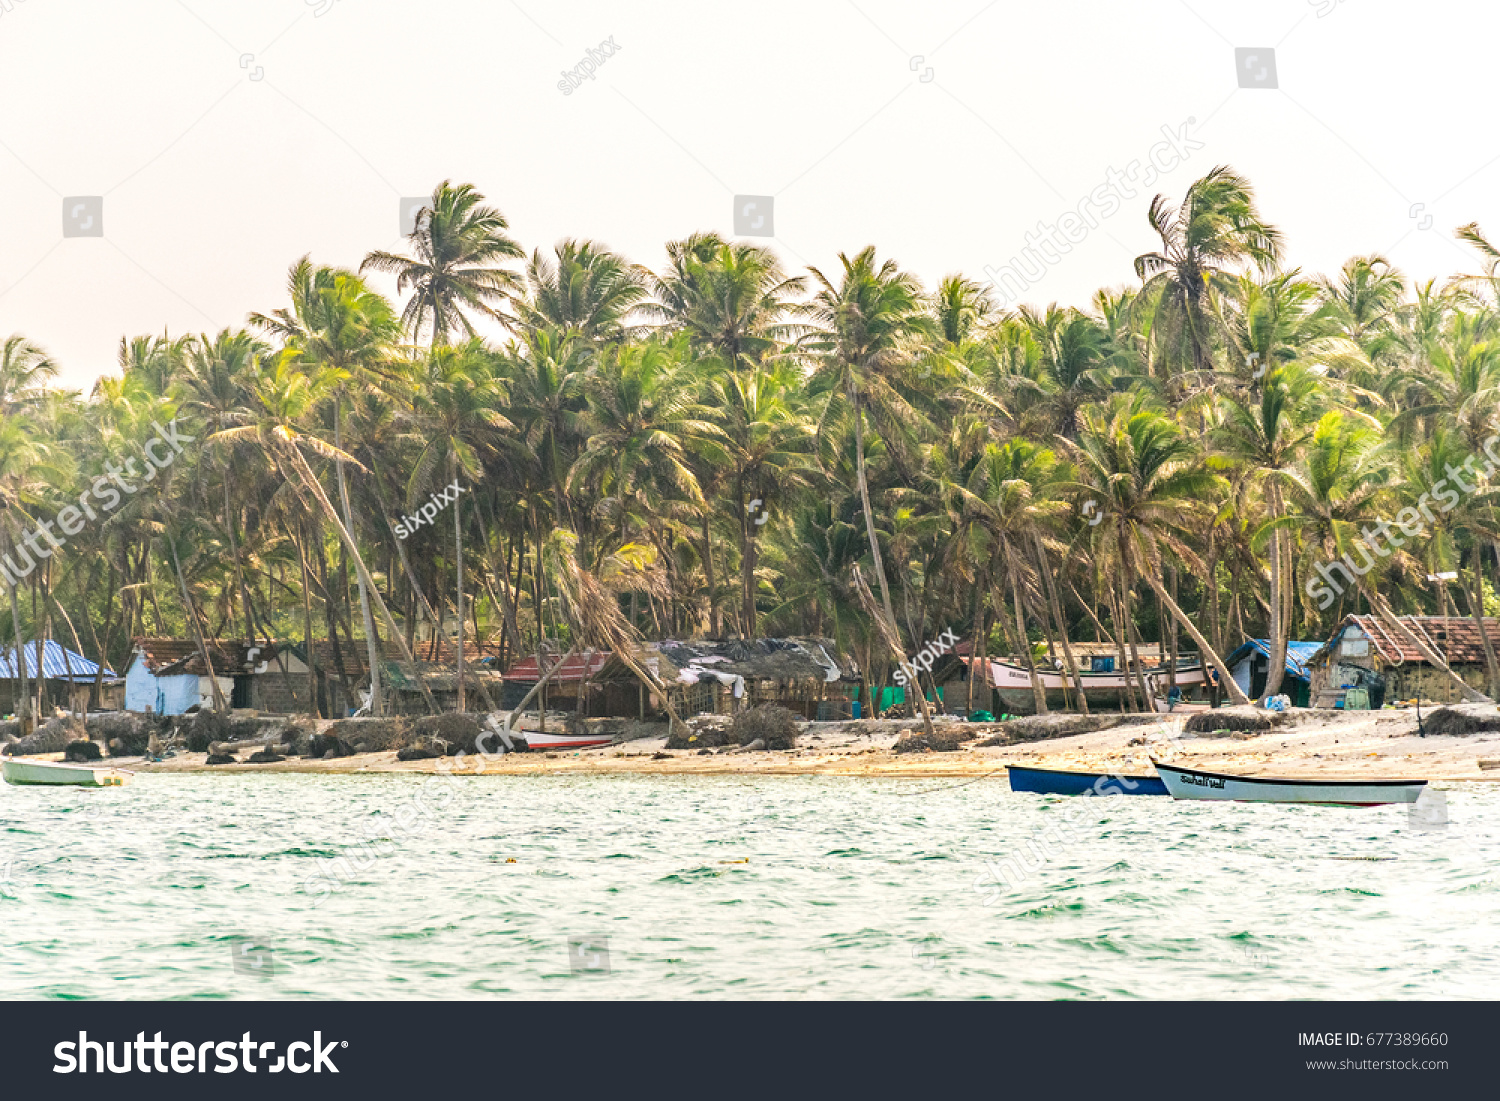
25	770
1013	683
561	739
1193	783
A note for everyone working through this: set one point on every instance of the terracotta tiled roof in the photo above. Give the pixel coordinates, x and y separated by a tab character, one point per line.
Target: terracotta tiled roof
1455	638
573	669
171	656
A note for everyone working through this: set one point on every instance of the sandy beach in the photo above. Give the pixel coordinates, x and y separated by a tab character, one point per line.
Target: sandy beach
1331	744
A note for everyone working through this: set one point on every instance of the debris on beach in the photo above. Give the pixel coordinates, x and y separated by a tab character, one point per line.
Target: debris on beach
1461	721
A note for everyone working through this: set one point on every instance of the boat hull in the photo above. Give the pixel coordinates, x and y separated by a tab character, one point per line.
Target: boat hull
29	773
1013	685
535	739
1189	783
1051	781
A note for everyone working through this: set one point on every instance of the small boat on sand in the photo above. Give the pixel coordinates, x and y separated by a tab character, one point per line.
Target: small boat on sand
562	739
1052	781
1193	783
25	770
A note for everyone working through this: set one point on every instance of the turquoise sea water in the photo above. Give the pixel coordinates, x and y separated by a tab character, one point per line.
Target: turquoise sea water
202	886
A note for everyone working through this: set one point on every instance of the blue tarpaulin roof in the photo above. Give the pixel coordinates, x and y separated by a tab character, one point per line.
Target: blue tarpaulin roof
54	666
1297	654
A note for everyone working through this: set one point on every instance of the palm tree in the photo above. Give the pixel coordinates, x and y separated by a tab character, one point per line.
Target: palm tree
1216	226
735	301
1145	479
764	454
456	420
25	370
286	396
1013	492
337	324
583	291
214	380
458	247
644	425
1265	437
870	326
1331	493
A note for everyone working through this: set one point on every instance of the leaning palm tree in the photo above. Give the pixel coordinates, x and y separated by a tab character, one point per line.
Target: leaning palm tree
1217	225
589	603
458	247
286	396
1144	480
341	329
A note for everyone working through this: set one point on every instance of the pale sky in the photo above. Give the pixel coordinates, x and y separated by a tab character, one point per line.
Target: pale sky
214	182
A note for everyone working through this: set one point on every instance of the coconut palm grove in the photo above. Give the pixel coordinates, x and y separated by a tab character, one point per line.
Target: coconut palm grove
718	446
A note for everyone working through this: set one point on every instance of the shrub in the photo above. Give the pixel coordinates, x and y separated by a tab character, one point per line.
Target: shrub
379	734
82	751
456	728
944	739
769	723
1451	723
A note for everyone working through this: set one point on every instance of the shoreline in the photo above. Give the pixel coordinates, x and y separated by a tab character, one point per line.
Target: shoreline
1368	745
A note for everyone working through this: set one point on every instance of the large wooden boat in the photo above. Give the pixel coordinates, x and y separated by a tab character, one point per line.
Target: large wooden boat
1013	684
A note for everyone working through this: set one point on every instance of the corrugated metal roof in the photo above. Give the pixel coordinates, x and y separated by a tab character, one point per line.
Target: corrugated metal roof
54	665
1297	654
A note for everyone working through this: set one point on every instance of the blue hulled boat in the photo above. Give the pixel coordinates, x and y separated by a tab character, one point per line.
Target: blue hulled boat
1051	781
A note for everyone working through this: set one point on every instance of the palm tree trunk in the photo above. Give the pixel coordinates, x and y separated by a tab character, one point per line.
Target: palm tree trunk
864	498
1127	627
892	642
975	661
544	676
1062	624
23	704
192	618
1038	690
1277	668
360	573
234	551
708	573
1208	652
305	473
1476	609
458	571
